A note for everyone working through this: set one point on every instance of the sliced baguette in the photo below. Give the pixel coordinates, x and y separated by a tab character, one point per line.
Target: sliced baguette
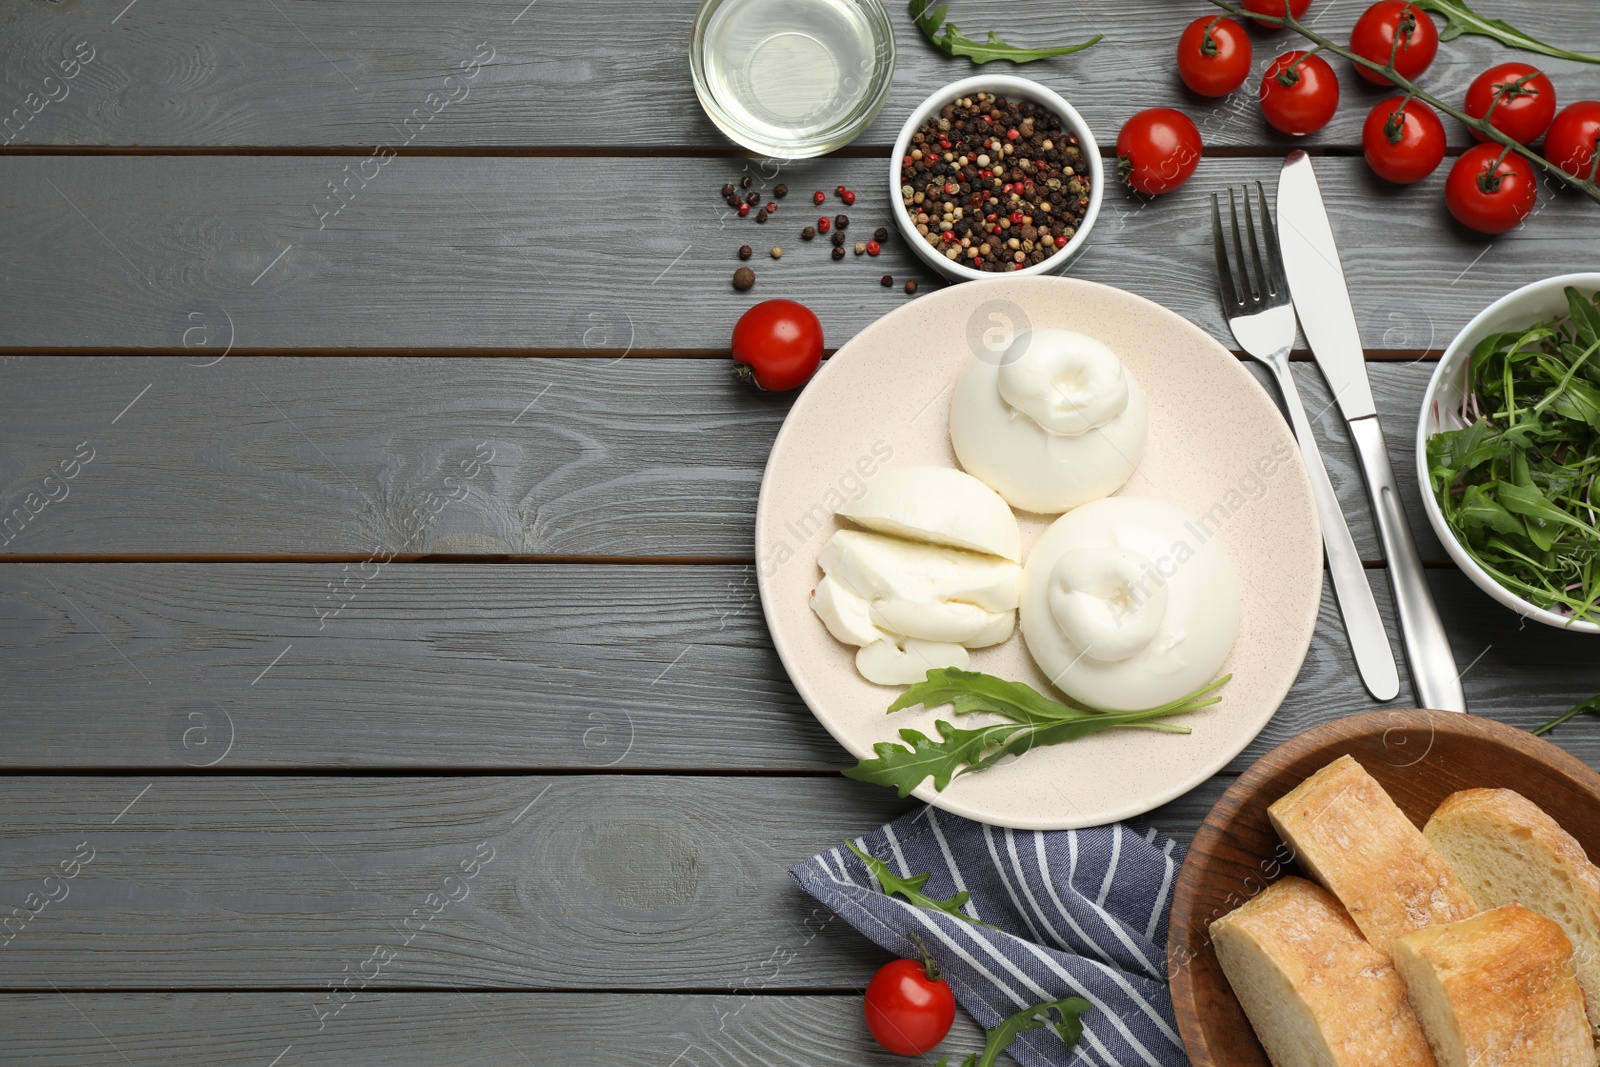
1505	849
1497	990
1348	835
1317	994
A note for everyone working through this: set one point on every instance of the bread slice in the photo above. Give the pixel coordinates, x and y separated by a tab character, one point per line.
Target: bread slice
1316	993
1505	849
1497	990
1347	834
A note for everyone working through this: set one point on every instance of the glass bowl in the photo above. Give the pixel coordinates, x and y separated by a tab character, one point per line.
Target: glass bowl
792	78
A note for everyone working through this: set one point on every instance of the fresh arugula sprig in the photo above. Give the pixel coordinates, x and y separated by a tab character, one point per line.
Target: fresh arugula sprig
952	42
1587	707
1034	720
1063	1016
1461	19
911	888
1517	484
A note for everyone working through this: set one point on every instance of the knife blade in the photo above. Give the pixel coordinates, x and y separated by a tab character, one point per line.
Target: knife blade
1322	301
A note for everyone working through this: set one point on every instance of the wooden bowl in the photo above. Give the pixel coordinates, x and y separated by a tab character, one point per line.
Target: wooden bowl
1420	757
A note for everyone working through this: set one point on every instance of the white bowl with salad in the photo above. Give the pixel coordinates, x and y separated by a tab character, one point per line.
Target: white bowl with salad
1508	451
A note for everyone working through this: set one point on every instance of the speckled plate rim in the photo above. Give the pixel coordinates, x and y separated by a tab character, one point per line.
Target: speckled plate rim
1304	624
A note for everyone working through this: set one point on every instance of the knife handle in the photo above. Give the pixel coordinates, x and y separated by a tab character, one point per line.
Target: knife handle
1433	665
1369	640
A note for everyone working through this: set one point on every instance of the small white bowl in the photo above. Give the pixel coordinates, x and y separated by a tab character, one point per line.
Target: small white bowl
1014	88
1540	301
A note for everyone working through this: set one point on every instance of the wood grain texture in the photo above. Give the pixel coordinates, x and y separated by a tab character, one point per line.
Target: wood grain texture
342	455
321	72
457	253
468	1029
613	882
554	667
1419	758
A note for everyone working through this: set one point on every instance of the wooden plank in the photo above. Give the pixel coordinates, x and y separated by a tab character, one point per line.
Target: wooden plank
476	1029
323	73
343	456
165	667
455	253
602	883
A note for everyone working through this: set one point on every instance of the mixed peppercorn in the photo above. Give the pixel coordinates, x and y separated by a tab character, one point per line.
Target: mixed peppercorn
993	184
834	227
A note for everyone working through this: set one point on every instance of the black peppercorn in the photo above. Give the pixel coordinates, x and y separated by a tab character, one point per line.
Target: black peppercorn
780	191
881	234
743	278
727	190
761	216
733	201
837	239
842	221
911	286
752	198
744	183
808	233
838	253
886	281
745	252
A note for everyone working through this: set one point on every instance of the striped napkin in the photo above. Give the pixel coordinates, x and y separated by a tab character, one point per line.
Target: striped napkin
1068	913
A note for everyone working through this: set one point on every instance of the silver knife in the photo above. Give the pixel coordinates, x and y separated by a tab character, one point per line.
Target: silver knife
1322	300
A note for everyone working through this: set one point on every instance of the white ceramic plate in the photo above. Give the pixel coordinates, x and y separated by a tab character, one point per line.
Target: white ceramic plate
1218	446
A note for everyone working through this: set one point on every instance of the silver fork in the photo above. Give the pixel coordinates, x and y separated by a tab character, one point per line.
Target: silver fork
1259	312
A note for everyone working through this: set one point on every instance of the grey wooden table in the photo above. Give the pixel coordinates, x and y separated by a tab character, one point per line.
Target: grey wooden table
388	673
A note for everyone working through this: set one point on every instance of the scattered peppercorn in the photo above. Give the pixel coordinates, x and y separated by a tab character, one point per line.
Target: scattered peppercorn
996	184
838	190
911	286
838	240
777	253
873	248
808	233
772	207
848	197
733	201
824	225
744	183
780	191
744	209
861	248
727	190
842	221
745	252
881	234
818	197
743	278
886	281
752	199
838	253
761	216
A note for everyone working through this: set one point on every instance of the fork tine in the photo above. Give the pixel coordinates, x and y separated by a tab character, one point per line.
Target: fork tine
1230	293
1278	278
1262	281
1247	292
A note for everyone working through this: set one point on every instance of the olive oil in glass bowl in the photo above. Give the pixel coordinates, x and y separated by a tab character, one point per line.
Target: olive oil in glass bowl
792	78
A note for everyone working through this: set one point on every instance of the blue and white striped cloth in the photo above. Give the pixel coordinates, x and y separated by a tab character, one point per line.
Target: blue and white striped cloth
1069	913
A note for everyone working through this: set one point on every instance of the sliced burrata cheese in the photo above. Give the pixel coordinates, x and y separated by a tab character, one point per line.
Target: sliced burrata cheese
1128	604
939	505
1055	422
908	603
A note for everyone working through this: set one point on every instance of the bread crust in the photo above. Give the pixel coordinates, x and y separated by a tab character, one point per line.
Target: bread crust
1544	868
1317	994
1348	834
1497	990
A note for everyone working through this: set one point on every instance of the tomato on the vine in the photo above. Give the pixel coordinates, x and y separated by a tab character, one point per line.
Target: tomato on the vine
1403	140
1297	8
1299	93
777	345
1374	38
1214	55
909	1007
1573	140
1517	98
1157	150
1490	196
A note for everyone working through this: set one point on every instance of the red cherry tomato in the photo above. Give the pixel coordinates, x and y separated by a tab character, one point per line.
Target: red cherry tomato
1374	35
1157	150
1299	93
1486	197
1297	8
1573	140
1214	55
777	345
1403	140
907	1011
1522	98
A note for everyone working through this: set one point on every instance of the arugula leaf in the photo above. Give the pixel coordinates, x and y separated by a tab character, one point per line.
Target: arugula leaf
1461	19
911	888
1064	1016
952	42
1587	707
1034	720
